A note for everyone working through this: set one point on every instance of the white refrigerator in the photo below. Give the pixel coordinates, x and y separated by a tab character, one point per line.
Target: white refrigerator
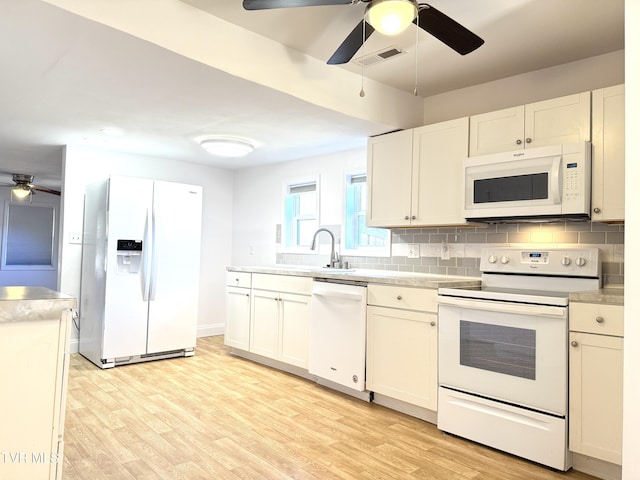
140	270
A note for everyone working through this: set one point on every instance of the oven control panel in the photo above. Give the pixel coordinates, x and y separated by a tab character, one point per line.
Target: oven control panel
584	262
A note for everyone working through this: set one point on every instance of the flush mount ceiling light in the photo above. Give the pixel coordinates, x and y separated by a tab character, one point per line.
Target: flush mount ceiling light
391	17
227	146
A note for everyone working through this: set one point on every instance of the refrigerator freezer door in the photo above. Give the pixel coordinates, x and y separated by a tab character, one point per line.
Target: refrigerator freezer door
175	270
125	311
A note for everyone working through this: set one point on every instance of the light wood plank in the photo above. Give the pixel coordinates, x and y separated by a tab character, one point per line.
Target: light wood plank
218	416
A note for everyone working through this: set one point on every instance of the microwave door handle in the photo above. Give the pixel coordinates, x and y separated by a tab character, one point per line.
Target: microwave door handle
556	179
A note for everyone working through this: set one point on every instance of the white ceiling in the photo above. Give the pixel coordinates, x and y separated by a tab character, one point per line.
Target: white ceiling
65	77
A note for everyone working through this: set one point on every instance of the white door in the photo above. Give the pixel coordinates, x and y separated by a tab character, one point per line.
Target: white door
505	351
175	266
389	160
499	131
294	329
236	332
125	311
437	172
265	323
559	120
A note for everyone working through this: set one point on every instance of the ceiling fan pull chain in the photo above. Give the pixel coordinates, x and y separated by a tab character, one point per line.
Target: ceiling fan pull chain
364	38
415	88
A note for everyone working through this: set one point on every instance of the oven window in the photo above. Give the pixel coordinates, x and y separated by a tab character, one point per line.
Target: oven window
510	189
507	350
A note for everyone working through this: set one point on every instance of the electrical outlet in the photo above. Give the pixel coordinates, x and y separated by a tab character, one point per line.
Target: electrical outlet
414	250
75	237
444	252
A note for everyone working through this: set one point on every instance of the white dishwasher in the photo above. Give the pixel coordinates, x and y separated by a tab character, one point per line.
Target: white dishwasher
337	334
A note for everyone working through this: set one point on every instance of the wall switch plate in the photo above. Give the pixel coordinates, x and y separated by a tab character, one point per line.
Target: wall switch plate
414	250
75	238
444	252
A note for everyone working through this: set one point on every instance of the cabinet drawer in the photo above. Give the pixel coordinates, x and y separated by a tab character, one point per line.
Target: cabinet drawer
239	279
282	283
408	298
596	318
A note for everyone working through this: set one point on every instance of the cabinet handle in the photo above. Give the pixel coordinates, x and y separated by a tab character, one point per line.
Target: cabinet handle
433	324
599	319
518	142
596	210
399	297
574	343
413	217
528	140
406	217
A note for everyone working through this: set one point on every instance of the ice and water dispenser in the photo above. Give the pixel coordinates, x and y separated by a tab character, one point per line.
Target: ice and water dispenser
129	254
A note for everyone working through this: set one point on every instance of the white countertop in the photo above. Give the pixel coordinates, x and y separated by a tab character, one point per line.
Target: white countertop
611	295
390	277
22	304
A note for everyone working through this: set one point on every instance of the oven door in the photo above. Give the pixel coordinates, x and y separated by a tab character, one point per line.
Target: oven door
512	352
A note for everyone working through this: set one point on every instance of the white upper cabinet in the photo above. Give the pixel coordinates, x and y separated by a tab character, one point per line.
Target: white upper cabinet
389	160
607	194
414	176
550	122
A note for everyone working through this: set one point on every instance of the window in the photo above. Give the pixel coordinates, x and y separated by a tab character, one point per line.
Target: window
28	237
300	215
358	238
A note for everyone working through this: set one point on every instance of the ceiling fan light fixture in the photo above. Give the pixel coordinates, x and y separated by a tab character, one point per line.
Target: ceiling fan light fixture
227	146
21	191
391	17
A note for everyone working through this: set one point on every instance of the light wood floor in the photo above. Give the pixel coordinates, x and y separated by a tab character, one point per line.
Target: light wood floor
216	416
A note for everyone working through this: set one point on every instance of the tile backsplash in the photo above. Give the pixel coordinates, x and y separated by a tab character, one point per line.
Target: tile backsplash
464	244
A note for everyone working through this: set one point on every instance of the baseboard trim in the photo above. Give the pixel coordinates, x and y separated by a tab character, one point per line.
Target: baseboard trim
210	330
597	468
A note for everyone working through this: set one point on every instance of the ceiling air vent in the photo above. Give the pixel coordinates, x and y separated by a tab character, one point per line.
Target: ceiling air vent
379	56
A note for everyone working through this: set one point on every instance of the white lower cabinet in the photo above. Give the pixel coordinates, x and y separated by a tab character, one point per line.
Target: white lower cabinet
402	344
236	333
280	318
595	381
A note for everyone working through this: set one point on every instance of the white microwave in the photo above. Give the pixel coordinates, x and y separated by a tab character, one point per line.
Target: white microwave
537	184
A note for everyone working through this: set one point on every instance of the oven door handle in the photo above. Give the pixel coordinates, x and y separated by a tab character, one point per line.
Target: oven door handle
505	307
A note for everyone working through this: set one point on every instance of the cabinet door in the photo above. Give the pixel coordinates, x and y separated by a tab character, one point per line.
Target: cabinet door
595	396
498	131
265	314
607	194
402	355
438	152
559	120
236	332
389	159
294	329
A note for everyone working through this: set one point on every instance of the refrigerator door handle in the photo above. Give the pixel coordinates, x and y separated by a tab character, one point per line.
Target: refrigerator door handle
146	268
154	258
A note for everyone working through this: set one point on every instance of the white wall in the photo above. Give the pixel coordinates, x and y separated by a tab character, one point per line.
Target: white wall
38	278
257	201
83	166
631	406
580	76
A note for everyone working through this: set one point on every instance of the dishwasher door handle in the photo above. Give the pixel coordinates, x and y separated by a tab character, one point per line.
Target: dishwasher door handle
322	291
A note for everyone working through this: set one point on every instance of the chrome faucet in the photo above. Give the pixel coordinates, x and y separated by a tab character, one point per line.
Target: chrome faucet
335	259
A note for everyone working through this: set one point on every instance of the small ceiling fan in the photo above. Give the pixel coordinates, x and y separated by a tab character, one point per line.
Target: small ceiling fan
23	186
400	13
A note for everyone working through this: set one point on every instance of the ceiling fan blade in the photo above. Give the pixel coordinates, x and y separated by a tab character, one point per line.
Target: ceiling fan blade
38	188
351	44
447	30
268	4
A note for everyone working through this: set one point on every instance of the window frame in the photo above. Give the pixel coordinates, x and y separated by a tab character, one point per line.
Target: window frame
285	229
361	251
